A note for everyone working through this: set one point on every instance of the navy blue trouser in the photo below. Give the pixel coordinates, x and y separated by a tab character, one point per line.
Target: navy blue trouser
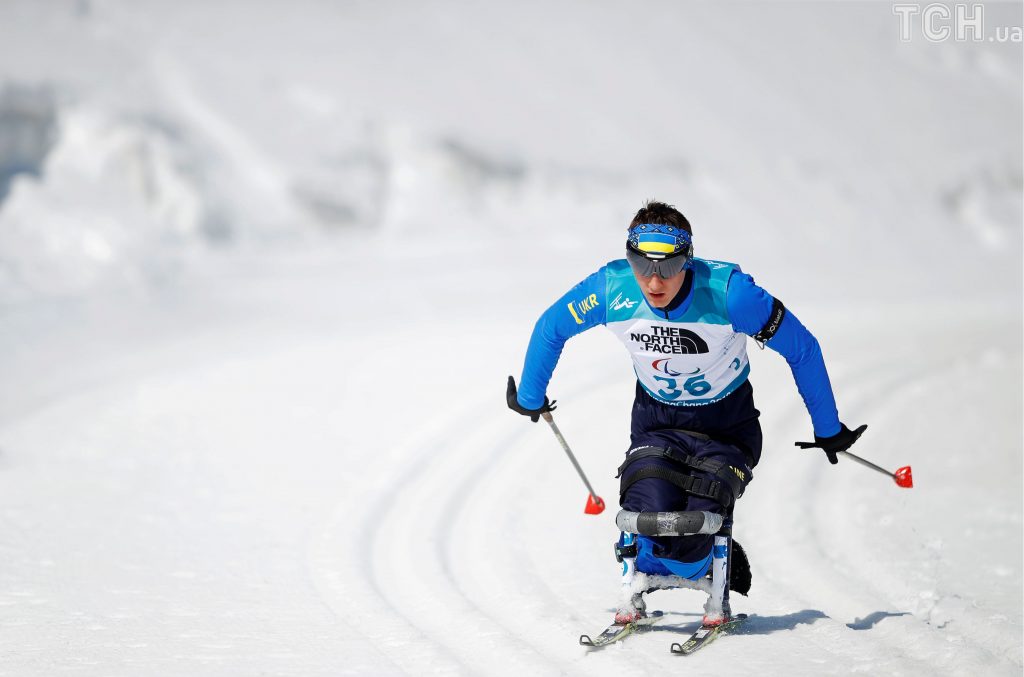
731	423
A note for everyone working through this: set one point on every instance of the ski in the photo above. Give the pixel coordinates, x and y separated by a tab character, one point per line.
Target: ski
616	631
705	635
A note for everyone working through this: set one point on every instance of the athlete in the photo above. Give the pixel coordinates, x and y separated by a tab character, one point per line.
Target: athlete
695	435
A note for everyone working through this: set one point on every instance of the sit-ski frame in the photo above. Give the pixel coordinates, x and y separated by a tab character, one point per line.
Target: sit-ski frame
716	609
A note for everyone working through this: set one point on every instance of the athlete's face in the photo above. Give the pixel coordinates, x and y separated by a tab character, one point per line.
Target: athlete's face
660	290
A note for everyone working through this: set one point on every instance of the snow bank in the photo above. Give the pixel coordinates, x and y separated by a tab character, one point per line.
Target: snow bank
182	128
114	197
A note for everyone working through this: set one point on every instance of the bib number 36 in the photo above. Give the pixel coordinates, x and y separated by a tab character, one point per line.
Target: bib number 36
695	385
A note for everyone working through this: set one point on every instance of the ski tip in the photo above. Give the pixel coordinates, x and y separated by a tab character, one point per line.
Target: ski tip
585	640
704	635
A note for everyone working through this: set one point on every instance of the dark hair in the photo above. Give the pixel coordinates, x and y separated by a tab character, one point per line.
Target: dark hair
661	214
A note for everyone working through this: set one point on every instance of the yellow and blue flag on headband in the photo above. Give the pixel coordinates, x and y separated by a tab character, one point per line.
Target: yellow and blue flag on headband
653	239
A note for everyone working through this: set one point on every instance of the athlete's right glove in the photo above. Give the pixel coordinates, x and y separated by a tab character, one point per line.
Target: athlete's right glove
841	441
512	397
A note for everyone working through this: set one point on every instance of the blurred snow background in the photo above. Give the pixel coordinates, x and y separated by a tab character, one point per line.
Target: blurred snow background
223	224
134	134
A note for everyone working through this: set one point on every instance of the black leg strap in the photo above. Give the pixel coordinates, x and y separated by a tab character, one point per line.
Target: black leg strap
698	486
727	486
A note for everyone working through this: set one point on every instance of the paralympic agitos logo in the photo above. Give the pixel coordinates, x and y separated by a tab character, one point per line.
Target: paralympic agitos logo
662	366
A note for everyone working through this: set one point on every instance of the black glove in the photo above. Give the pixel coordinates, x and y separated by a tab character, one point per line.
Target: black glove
513	403
841	441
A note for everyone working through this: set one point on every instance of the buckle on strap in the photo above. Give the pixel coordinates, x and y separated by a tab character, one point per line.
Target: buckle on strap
638	453
624	551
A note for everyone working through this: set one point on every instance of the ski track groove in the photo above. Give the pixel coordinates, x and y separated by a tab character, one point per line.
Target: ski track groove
488	488
443	529
816	566
459	505
909	381
980	635
454	491
467	626
916	640
794	513
351	583
427	478
471	503
463	498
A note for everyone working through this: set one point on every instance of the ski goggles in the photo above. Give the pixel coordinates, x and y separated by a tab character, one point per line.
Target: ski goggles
664	268
656	249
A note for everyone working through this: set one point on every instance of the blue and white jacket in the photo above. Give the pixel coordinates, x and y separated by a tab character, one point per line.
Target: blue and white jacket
691	355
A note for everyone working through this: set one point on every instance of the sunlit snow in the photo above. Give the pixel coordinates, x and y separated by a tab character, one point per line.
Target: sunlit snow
265	267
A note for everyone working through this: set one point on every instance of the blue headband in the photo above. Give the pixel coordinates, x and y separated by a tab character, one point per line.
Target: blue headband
657	240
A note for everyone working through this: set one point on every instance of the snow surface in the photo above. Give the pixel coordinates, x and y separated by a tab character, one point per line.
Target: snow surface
264	271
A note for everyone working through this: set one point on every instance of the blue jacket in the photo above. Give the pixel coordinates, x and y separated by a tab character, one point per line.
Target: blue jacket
690	355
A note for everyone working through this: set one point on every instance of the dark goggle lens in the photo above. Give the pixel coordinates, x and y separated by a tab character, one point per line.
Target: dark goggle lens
664	268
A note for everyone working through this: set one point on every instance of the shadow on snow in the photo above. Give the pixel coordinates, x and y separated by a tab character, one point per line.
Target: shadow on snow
753	625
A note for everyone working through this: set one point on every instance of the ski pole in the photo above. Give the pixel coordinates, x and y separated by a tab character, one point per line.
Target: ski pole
595	505
902	476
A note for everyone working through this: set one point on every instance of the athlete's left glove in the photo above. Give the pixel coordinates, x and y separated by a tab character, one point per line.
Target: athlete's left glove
512	397
841	441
